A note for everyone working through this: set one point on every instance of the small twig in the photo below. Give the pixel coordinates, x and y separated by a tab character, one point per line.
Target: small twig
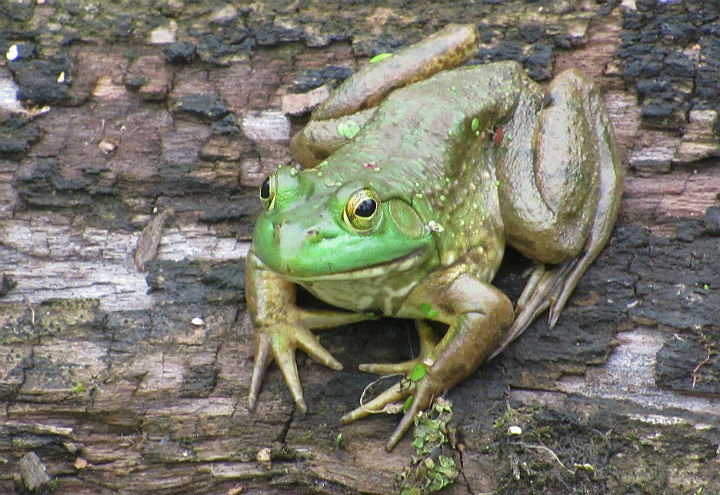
362	396
697	368
28	304
547	449
149	240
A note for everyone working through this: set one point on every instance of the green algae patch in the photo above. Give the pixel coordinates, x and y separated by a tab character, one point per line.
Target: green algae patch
348	129
418	372
426	307
379	57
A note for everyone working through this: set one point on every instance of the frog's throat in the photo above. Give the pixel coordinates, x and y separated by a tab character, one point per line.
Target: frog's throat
398	265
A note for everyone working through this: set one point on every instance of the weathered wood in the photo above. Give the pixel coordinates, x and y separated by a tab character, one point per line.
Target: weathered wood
117	380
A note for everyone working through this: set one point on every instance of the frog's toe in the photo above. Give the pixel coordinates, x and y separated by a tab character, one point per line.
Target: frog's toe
404	368
428	341
387	401
575	269
543	290
423	392
285	359
423	397
306	341
263	356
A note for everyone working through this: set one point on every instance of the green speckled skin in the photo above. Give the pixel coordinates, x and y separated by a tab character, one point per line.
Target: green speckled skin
460	163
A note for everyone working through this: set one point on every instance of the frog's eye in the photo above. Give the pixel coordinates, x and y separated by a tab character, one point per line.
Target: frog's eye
362	211
267	192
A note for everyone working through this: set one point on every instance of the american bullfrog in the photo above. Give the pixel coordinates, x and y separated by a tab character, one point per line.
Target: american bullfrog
416	178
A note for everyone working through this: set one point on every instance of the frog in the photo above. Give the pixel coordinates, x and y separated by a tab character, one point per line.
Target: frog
412	179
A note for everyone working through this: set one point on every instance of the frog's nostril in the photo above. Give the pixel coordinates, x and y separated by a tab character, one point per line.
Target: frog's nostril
314	236
276	232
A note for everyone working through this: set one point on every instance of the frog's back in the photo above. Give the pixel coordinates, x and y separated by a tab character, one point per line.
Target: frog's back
431	143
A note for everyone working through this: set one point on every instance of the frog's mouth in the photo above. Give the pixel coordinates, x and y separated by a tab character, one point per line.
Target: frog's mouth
402	264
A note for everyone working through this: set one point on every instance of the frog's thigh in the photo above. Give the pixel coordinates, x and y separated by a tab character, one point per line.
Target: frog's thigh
565	175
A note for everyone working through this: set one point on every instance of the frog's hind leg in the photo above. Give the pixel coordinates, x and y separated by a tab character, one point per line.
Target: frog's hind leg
578	120
540	292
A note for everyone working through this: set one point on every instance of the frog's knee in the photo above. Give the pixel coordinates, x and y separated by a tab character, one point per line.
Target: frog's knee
554	244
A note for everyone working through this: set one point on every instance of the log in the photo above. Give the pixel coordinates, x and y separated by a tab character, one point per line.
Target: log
126	370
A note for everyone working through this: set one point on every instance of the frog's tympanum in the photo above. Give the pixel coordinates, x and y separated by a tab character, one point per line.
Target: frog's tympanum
415	179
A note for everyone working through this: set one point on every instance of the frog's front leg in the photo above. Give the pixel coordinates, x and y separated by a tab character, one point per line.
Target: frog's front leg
281	327
478	315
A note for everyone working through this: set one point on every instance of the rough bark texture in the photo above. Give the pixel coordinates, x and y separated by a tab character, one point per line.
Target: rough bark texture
117	380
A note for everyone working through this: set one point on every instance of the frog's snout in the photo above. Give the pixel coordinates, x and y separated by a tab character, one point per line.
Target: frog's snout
281	238
295	244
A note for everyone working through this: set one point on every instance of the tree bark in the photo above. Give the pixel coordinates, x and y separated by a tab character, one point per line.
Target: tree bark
129	163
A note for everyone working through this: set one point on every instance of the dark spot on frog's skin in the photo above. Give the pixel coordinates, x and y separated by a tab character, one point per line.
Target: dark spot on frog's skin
369	165
497	134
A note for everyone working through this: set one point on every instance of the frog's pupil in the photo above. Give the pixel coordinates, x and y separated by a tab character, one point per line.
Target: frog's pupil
265	188
366	208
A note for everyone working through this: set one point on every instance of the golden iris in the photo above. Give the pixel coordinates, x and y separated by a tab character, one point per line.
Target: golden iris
362	211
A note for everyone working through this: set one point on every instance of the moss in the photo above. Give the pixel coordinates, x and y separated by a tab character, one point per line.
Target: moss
79	388
433	467
553	451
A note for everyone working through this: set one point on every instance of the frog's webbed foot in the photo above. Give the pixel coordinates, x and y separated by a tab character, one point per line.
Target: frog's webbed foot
428	341
545	288
280	340
480	316
423	392
393	399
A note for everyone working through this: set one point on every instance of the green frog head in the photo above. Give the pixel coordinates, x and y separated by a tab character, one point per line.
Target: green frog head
313	231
